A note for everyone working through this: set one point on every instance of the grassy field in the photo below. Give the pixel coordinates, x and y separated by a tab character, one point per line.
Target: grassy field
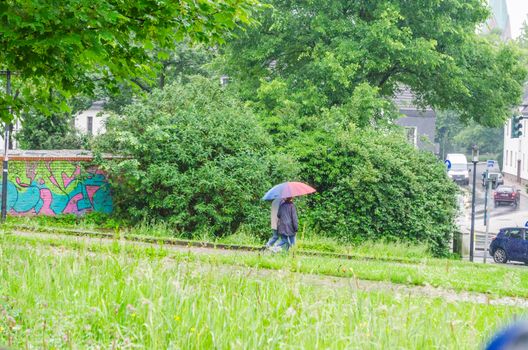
495	280
79	295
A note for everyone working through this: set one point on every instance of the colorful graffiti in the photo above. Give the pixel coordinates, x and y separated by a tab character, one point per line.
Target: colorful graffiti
56	187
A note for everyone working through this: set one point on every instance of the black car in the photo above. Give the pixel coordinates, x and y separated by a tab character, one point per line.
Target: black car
495	178
511	244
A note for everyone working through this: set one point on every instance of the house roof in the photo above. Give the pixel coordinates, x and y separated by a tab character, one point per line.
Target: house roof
405	100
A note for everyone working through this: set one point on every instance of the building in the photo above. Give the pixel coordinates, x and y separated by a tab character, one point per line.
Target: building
515	156
499	19
515	153
14	128
419	123
91	121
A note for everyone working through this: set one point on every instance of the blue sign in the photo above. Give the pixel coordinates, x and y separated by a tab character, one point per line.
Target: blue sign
491	163
448	164
526	225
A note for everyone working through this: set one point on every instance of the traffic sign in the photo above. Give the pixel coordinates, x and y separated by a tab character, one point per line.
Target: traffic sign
491	163
526	225
448	164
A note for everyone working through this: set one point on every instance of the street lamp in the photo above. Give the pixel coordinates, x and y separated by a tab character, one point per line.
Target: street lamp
475	156
3	208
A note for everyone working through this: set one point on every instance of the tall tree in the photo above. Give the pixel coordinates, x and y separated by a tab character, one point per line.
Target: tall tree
184	60
61	47
335	53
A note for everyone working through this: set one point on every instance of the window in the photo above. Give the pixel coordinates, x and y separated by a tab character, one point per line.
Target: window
515	233
89	125
412	135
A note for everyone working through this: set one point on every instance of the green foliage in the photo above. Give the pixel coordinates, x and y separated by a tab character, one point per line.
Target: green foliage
193	156
448	125
375	186
489	140
91	220
326	53
167	66
53	132
64	46
455	136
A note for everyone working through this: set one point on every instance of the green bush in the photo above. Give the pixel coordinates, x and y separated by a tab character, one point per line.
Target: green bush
374	186
194	157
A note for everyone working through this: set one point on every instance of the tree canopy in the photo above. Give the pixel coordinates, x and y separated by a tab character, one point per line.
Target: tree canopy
334	53
62	47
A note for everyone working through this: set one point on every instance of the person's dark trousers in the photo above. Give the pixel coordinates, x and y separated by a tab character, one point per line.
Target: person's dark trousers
286	242
273	239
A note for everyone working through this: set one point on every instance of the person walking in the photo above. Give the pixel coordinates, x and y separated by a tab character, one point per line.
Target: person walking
288	224
274	211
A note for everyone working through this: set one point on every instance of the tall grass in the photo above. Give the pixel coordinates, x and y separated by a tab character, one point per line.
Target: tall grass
308	242
53	297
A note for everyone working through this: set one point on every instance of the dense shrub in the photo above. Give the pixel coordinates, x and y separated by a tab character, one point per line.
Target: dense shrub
194	157
374	185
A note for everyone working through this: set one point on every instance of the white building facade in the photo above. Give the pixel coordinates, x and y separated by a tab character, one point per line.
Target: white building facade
92	121
515	157
89	122
15	127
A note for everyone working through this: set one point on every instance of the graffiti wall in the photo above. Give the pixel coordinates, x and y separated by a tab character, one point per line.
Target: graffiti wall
56	187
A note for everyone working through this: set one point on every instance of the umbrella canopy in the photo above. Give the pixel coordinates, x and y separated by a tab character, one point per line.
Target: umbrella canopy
288	189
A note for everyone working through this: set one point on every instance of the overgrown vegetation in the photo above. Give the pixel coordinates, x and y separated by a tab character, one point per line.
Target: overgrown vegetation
194	157
197	159
375	186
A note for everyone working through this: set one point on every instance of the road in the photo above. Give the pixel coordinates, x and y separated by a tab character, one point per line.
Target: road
503	216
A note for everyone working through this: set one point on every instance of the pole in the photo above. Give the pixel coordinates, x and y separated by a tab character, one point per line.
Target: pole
486	179
6	158
472	235
487	214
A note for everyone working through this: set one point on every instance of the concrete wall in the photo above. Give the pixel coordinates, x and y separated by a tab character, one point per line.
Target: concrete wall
56	186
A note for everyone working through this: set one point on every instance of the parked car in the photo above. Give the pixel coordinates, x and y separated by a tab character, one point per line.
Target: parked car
510	245
495	178
506	194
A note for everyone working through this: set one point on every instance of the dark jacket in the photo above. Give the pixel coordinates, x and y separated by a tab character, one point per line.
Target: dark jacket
288	223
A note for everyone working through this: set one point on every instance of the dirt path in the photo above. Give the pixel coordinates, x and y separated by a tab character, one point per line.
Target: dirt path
309	279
